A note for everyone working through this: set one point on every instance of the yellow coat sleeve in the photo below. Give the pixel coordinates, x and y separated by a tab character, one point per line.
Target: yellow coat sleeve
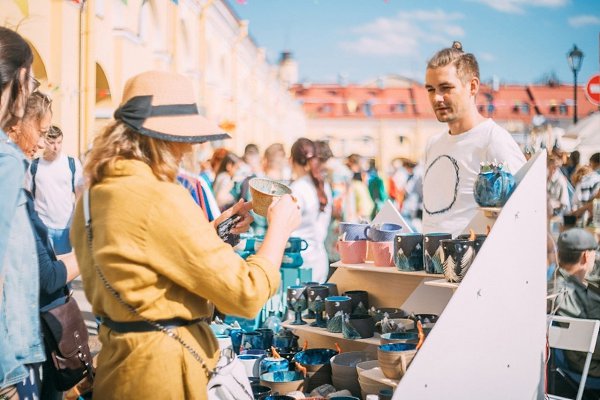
183	246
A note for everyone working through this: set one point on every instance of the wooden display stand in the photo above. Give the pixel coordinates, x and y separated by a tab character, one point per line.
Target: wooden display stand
387	287
489	342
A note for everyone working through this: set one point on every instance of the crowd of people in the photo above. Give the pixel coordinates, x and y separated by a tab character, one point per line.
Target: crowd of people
138	220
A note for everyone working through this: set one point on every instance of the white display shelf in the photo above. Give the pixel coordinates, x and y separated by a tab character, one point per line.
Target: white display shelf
377	375
491	212
370	267
442	283
324	332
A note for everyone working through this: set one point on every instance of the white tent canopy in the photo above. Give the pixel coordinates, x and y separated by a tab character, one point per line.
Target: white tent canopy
584	136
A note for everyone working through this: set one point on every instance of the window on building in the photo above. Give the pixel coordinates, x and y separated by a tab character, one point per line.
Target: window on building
525	109
553	109
563	109
516	109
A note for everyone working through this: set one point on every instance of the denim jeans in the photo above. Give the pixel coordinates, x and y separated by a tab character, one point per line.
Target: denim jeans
60	240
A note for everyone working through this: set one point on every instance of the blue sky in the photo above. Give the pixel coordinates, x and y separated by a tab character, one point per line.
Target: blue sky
517	40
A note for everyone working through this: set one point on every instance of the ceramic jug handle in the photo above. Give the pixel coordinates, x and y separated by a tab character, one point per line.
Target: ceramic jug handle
367	229
304	245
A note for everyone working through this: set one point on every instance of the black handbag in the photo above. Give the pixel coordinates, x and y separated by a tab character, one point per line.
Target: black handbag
66	338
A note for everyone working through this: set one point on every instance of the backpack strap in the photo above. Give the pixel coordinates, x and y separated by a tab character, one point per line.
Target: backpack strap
33	170
72	168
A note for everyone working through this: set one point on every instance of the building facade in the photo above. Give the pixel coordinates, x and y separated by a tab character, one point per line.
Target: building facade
391	117
86	50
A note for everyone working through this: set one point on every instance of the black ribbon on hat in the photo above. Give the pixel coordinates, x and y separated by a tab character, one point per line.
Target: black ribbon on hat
138	109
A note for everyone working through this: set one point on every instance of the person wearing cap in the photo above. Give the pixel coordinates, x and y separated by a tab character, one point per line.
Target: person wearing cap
150	241
577	283
453	157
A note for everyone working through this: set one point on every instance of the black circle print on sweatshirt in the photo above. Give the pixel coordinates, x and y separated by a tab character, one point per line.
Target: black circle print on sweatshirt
440	185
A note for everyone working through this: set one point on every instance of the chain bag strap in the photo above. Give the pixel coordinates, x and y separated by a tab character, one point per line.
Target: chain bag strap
228	366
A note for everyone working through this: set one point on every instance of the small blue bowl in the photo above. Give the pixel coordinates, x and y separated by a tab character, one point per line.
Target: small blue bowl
315	356
397	347
282	376
399	337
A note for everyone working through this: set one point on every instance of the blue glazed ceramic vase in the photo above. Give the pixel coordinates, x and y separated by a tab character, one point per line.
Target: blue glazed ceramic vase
493	186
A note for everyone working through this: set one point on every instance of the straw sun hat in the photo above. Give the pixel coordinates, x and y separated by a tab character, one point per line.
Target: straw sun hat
162	105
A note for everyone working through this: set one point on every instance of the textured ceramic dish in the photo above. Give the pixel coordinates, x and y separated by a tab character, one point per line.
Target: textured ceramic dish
263	192
395	358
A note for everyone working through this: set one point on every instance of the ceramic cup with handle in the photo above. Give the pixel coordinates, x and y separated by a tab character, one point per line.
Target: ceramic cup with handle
382	232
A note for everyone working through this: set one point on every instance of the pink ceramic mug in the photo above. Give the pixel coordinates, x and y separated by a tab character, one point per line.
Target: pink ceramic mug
383	254
352	251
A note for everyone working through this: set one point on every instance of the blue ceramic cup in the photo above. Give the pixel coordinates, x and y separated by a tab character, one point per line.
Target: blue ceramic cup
296	245
236	339
266	339
291	260
353	231
252	340
408	251
333	304
382	232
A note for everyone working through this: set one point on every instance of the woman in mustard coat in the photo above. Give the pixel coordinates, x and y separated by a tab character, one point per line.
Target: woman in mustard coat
158	251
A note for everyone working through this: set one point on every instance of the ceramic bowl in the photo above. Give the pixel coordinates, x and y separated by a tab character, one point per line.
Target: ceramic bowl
313	359
283	381
346	363
260	391
395	325
263	192
344	370
399	337
379	313
394	358
427	320
272	364
366	365
277	397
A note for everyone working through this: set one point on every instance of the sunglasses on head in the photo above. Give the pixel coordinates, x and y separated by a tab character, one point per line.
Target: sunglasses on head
35	84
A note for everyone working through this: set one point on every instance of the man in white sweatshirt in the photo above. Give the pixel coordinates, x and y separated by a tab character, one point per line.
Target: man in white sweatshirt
453	157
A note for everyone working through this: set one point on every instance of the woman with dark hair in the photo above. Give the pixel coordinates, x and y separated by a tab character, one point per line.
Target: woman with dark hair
314	199
21	343
54	272
224	184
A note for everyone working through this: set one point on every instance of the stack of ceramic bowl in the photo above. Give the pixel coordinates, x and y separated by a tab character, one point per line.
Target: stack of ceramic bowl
343	368
283	381
368	385
317	364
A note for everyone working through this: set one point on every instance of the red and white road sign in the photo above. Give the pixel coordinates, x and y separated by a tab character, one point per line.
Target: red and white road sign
592	89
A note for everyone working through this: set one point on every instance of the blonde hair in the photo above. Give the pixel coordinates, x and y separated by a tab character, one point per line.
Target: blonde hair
465	63
118	142
38	104
579	173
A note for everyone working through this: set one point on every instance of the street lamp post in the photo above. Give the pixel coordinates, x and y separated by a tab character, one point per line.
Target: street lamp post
575	57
